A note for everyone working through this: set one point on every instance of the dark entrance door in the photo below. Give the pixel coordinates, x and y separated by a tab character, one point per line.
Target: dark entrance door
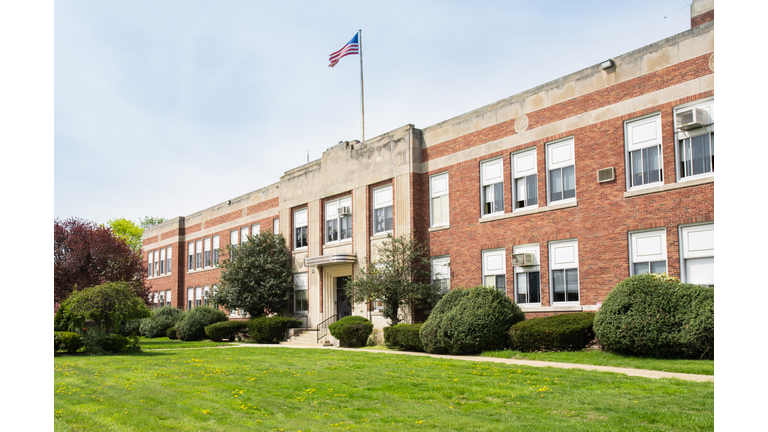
343	308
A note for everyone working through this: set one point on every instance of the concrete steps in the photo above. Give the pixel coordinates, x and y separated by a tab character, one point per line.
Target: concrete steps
305	337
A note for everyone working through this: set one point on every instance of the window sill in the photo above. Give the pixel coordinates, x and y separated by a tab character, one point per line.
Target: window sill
202	270
439	228
300	250
381	235
667	187
159	277
338	243
550	207
556	308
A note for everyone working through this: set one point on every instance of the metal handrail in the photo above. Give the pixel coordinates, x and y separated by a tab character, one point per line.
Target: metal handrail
304	321
323	326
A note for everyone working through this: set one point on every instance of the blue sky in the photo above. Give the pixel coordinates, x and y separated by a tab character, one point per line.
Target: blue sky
167	107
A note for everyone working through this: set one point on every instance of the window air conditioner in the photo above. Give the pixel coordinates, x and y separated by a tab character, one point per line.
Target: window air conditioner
345	211
693	118
605	175
523	259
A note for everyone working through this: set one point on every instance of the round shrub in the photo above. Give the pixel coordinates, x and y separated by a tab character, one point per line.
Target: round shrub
70	341
471	321
646	315
117	343
160	321
270	329
225	330
56	341
564	332
351	331
171	333
192	325
131	327
403	336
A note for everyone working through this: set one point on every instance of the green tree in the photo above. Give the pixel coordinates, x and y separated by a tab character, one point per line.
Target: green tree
149	221
257	275
127	231
400	277
107	304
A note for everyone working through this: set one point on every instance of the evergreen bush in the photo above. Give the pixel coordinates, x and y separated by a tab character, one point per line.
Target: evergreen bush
160	321
70	341
469	321
225	330
653	316
131	327
266	330
351	331
192	324
171	333
403	336
564	332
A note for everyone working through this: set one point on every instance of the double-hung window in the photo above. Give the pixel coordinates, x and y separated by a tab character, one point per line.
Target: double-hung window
198	254
301	300
190	255
190	298
528	277
162	261
561	171
441	273
207	248
255	229
150	267
644	161
698	254
695	133
300	229
275	225
382	210
233	236
338	220
156	255
492	182
495	269
243	234
198	296
207	296
648	252
215	250
564	268
525	189
168	297
438	205
168	261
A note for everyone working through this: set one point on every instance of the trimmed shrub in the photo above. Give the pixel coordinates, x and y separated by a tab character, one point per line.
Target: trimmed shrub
117	343
225	330
161	320
403	336
171	333
469	321
192	324
56	341
351	331
95	342
70	341
132	326
647	315
564	332
270	330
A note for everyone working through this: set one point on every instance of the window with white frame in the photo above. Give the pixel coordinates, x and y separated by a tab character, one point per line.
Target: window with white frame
528	278
168	260
338	220
198	254
525	189
561	171
564	270
382	210
438	205
695	133
168	298
198	296
156	255
207	295
155	299
648	251
214	290
150	266
644	161
255	229
492	186
698	254
495	269
190	298
275	225
207	249
190	255
161	299
300	297
162	261
300	229
441	273
243	234
215	250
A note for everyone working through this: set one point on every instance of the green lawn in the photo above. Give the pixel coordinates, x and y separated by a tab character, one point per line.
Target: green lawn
600	358
165	343
285	389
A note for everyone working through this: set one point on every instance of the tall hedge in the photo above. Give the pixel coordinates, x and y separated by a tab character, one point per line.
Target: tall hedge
470	321
564	332
266	330
646	315
192	324
403	336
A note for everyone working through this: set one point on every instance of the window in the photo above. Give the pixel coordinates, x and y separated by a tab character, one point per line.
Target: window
525	188
441	273
243	234
276	225
214	290
149	264
564	267
207	296
492	190
438	205
191	255
255	229
495	269
300	229
155	299
695	144
382	210
157	263
198	296
168	298
528	278
301	303
207	256
648	252
190	298
168	261
199	254
160	299
643	138
561	171
162	261
338	220
215	250
698	254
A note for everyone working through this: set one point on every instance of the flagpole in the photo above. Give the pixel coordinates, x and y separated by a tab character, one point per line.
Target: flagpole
362	89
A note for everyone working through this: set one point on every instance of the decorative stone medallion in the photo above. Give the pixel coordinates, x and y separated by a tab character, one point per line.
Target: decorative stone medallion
202	225
245	212
712	62
521	124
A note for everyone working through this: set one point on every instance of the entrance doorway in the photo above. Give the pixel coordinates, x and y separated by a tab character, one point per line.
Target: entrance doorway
343	308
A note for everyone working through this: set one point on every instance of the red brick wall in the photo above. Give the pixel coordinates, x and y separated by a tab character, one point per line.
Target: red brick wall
702	18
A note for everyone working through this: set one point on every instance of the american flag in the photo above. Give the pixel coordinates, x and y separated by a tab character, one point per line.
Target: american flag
352	47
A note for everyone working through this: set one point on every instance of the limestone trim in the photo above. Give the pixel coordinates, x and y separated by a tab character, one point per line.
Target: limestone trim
671	186
548	208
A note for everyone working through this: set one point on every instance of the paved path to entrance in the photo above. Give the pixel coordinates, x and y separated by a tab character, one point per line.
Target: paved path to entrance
533	363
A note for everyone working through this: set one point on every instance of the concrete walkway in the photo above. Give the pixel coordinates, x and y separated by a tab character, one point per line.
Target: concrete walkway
533	363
